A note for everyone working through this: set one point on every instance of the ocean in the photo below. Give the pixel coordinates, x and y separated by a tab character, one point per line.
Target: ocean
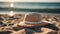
31	7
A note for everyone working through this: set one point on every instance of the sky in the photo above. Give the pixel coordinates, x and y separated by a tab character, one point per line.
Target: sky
29	0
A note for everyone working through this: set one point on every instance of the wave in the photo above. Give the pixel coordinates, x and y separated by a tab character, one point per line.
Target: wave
47	10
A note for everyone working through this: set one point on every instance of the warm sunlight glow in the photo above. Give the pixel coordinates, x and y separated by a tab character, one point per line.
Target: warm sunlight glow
11	13
11	5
